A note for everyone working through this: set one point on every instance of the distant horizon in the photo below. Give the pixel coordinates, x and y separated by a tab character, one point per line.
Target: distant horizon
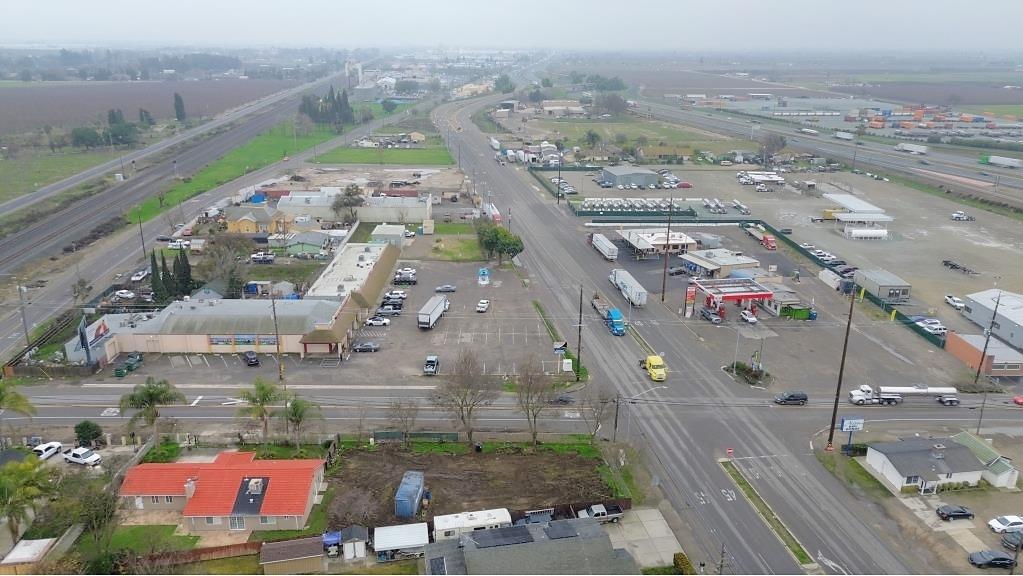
647	26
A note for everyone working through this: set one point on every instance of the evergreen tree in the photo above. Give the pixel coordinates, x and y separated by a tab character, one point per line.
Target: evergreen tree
345	109
179	107
159	292
177	273
186	274
166	276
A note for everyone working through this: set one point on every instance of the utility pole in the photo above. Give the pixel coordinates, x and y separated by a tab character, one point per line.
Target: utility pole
142	236
841	371
24	322
280	365
579	338
618	403
175	169
667	245
721	561
983	356
559	179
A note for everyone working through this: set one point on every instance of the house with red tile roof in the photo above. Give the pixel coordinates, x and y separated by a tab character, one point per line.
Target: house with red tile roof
234	492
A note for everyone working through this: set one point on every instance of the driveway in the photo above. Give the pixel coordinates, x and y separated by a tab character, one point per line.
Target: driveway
646	535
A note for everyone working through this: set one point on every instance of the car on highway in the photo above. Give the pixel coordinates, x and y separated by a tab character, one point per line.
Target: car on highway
1017	400
710	315
377	321
955	302
83	456
562	400
250	358
676	270
748	317
797	397
163	238
1004	524
949	512
991	559
446	288
44	451
483	306
366	347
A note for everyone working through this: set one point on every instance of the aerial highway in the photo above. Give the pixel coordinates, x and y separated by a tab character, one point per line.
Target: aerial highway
792	480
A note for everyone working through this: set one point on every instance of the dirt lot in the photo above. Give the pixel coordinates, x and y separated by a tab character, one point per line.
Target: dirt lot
76	103
939	92
367	480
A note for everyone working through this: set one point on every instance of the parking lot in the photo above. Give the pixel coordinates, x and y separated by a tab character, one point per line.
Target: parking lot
504	337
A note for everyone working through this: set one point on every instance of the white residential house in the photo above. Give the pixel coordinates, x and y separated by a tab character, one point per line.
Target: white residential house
924	463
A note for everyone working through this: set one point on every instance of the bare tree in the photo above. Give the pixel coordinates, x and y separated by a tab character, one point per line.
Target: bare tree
403	416
226	257
467	390
596	402
535	393
772	144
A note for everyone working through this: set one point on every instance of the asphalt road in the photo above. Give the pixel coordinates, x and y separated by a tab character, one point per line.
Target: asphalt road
122	253
869	155
559	262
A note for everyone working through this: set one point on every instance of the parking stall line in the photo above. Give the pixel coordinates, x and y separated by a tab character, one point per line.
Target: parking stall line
189	362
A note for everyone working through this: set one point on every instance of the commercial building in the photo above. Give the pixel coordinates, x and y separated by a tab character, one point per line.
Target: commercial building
716	263
628	175
1000	359
573	546
234	492
924	463
650	242
883	284
389	234
1008	324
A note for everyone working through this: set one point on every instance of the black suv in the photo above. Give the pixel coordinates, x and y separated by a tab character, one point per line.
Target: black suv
251	358
404	279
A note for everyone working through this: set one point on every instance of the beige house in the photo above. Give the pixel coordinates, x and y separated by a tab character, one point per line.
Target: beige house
256	219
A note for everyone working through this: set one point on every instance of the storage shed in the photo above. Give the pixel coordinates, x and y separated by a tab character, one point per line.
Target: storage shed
354	539
401	541
300	556
390	233
25	555
628	175
409	494
883	284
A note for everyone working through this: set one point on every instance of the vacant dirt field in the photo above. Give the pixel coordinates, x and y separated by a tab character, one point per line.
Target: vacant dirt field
29	107
512	479
939	93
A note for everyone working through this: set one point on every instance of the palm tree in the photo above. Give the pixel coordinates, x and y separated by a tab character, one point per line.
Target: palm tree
297	412
11	399
147	398
22	484
259	403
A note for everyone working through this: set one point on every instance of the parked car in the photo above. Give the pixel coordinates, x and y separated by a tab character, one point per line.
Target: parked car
431	365
377	321
409	234
836	263
748	316
446	288
1004	524
251	358
396	295
83	456
483	306
411	271
388	311
366	347
991	559
140	275
1012	540
393	303
44	451
163	238
710	315
807	246
955	302
950	512
125	294
676	270
405	279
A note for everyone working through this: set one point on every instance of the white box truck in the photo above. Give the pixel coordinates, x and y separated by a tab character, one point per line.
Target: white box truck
1000	161
605	246
432	311
845	136
629	287
911	148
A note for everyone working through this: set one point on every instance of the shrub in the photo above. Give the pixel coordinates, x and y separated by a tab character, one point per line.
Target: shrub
682	564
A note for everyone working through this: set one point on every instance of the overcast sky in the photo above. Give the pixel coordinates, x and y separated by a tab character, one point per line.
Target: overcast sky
699	25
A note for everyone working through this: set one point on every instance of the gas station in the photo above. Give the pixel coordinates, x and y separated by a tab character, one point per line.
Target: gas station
746	293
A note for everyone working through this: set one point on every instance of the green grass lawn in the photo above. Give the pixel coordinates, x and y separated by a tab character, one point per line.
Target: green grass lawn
768	515
411	156
453	228
248	564
362	234
32	169
1013	110
297	271
316	525
400	567
486	124
141	539
455	249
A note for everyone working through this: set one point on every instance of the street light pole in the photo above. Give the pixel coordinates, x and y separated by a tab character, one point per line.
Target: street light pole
667	245
841	371
983	356
579	338
280	365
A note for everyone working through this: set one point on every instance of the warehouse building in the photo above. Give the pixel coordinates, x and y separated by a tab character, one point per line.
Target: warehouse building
883	284
1008	324
716	263
1000	359
629	175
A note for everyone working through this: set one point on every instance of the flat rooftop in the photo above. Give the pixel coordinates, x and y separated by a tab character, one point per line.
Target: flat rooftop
719	257
626	170
651	238
862	217
1003	353
853	204
346	273
226	316
1010	306
882	277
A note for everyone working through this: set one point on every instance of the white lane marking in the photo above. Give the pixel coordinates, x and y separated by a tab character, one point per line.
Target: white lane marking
196	401
233	402
110	412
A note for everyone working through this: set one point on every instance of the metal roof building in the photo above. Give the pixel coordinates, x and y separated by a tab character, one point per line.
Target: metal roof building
854	204
627	175
1008	325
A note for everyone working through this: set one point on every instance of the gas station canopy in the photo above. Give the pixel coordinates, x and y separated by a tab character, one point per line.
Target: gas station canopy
733	289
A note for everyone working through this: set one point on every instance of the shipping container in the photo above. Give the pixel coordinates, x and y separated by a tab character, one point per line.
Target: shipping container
907	125
409	494
875	125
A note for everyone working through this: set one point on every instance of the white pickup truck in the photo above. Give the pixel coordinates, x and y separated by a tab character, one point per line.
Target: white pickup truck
602	513
83	456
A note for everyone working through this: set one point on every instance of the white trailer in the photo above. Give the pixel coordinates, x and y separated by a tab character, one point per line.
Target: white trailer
451	526
432	311
1002	161
605	246
629	287
845	136
919	390
495	144
911	148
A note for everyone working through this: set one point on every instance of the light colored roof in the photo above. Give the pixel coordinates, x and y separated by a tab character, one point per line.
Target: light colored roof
862	217
718	257
394	201
346	272
217	483
388	230
26	551
471	519
1002	352
853	204
400	536
650	238
880	277
230	316
628	170
1010	306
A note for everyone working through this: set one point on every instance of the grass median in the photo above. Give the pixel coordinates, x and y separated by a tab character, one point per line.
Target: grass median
766	513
